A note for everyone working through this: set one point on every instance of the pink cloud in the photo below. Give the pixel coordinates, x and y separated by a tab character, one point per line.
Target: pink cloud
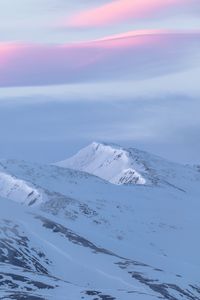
6	52
121	10
133	55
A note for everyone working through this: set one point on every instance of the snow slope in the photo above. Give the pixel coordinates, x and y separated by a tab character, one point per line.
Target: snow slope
18	190
90	239
128	166
110	162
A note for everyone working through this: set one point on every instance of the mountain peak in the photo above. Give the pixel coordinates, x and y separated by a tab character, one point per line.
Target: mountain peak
104	146
120	165
106	160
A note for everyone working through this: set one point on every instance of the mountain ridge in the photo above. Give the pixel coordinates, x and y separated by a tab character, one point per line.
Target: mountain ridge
120	165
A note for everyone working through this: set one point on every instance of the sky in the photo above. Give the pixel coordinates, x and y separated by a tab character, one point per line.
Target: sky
124	71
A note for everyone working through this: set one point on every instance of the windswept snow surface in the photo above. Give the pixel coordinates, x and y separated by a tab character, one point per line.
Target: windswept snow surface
86	238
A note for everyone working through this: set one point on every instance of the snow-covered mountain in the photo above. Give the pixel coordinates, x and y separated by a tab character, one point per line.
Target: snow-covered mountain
82	237
128	166
110	162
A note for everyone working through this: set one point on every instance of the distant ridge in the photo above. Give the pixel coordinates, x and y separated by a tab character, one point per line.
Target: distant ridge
120	165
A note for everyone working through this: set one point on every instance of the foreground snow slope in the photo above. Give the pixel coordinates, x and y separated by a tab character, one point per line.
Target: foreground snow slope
89	239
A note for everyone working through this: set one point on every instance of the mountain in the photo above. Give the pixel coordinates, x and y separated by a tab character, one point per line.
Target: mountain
119	165
68	234
110	162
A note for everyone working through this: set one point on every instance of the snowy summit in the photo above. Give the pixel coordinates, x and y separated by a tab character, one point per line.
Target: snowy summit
120	165
108	161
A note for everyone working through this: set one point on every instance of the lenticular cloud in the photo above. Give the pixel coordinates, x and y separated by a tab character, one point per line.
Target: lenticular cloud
123	10
129	56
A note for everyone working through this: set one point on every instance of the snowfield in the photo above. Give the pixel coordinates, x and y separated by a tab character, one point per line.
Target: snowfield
109	223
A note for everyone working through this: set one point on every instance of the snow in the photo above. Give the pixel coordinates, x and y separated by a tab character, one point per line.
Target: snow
109	162
129	166
18	190
91	239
